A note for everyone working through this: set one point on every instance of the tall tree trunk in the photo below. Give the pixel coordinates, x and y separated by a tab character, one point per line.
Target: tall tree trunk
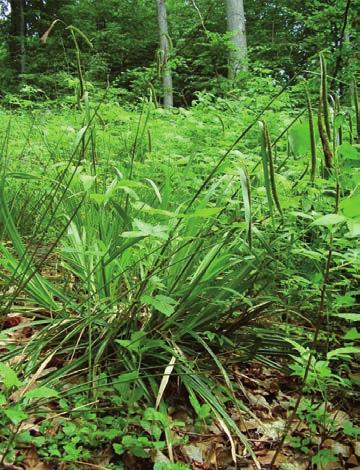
17	36
236	25
22	36
164	49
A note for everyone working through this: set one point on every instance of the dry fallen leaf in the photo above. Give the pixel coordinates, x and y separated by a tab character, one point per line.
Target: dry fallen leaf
268	455
249	425
272	430
32	461
352	460
357	449
225	458
297	465
337	447
193	453
329	466
165	380
258	402
18	335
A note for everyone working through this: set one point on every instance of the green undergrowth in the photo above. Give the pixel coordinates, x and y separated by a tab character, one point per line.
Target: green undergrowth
143	249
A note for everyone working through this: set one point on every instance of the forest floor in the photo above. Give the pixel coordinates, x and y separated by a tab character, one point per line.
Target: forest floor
80	204
268	395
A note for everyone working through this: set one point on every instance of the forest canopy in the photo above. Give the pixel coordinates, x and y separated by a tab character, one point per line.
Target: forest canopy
282	37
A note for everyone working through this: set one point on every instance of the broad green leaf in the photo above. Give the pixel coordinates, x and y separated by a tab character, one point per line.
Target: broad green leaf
350	430
15	414
110	190
299	138
194	402
131	184
151	414
348	316
41	392
351	207
308	253
329	220
204	213
348	151
98	198
354	229
352	335
205	263
128	376
119	449
162	303
9	377
147	230
341	352
132	344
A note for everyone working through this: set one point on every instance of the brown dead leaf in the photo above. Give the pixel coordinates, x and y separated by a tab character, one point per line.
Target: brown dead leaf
337	447
271	386
33	462
352	460
298	426
29	425
249	425
13	319
211	456
225	458
19	335
357	449
215	429
268	455
297	465
193	454
19	359
329	466
16	396
258	401
272	430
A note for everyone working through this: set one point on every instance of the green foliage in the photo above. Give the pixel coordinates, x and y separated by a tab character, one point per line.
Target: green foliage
14	411
145	248
283	37
324	457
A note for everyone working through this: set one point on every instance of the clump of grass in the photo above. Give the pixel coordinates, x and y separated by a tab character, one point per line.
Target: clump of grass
157	278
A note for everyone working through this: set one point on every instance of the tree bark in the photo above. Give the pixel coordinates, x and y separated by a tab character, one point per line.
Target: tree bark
164	50
236	25
17	36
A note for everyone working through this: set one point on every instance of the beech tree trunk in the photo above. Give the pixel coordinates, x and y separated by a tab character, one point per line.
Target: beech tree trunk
17	36
164	49
236	25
